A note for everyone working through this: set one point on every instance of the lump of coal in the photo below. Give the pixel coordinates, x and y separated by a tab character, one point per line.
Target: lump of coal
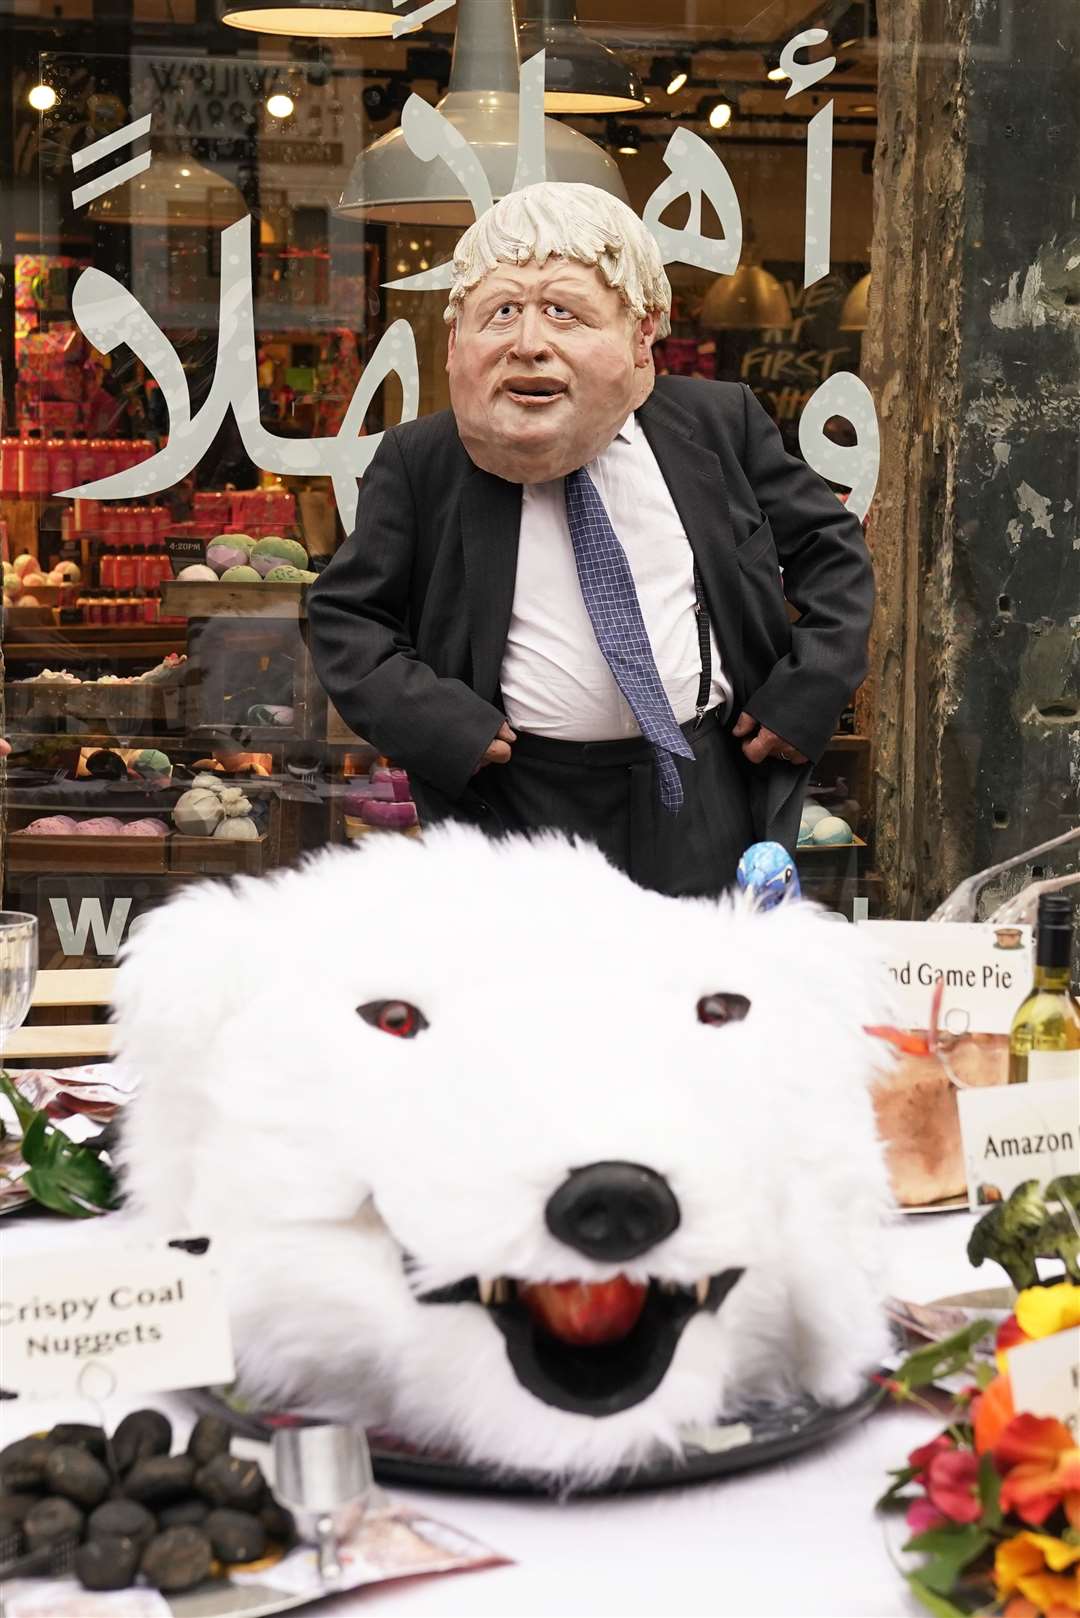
109	1563
50	1521
278	1522
78	1432
11	1537
141	1434
160	1480
22	1464
13	1507
184	1514
74	1473
229	1481
178	1559
236	1536
210	1436
124	1519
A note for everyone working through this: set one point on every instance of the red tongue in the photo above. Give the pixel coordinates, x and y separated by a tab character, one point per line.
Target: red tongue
586	1313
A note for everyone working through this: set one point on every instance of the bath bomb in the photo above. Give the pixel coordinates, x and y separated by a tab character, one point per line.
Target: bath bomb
813	812
240	828
197	573
285	574
240	573
105	765
243	542
285	550
213	783
151	764
29	600
25	563
71	571
101	826
221	556
146	828
197	812
831	830
395	815
53	826
34	581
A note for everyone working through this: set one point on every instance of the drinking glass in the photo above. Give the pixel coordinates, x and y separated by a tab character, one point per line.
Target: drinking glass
18	969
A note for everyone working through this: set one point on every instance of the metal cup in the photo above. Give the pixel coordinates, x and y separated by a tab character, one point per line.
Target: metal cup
323	1474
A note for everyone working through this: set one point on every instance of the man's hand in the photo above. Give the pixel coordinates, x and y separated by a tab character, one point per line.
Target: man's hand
498	751
766	743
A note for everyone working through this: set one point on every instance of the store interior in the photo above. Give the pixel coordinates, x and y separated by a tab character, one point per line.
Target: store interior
125	682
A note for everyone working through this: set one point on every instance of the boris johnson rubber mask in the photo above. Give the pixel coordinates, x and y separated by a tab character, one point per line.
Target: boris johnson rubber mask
546	362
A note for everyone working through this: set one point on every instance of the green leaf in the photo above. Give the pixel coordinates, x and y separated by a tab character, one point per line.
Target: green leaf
950	1549
931	1601
900	1480
990	1492
24	1112
984	1374
35	1144
945	1358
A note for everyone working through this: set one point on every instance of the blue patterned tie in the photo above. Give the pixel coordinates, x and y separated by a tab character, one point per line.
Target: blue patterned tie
607	586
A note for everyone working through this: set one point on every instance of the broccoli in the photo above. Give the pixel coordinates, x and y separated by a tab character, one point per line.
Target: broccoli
1017	1232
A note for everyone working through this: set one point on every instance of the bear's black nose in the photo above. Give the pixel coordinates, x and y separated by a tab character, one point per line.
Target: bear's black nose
612	1211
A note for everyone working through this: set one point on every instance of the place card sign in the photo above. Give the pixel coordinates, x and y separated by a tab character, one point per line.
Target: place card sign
183	550
1016	1132
986	972
95	1322
1045	1377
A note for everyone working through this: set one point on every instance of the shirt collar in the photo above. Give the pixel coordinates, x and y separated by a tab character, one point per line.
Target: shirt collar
628	429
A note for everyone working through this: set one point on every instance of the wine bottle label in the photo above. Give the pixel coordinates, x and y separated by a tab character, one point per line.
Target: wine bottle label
1016	1132
1053	1065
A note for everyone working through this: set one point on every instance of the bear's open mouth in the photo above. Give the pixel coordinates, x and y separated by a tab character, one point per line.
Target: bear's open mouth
593	1348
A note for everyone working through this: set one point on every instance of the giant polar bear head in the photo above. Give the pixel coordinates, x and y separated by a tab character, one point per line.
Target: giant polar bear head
507	1154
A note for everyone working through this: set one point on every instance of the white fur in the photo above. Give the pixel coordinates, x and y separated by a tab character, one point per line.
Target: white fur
563	1031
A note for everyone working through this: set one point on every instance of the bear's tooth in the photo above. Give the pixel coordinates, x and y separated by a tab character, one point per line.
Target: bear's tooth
486	1287
701	1291
669	1287
502	1290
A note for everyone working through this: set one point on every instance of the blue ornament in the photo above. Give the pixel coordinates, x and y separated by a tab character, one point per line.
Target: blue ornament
768	870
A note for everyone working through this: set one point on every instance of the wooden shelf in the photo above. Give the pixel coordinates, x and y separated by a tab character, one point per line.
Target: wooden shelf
180	599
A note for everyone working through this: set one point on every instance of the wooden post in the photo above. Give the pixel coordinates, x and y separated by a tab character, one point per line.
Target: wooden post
973	354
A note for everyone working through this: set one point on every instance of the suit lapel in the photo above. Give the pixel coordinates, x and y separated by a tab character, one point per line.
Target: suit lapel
695	478
490	527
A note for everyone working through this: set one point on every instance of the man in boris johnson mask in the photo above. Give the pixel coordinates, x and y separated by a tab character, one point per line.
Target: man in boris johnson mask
562	606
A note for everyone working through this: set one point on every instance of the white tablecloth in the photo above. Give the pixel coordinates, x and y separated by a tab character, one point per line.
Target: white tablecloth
797	1538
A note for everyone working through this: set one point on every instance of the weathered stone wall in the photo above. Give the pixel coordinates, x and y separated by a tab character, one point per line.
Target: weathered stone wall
973	353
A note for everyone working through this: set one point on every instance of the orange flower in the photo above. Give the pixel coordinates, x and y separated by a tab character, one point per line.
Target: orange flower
1043	1570
991	1413
1041	1464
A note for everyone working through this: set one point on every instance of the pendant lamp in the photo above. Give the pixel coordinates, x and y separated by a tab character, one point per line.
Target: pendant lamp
581	74
855	313
390	185
312	19
747	300
174	190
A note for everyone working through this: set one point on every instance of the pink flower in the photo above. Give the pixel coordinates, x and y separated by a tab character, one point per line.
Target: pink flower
922	1516
921	1458
952	1484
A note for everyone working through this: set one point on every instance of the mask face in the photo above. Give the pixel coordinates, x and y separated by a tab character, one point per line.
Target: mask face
545	364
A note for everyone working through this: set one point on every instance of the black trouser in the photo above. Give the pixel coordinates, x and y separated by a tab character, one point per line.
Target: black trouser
606	793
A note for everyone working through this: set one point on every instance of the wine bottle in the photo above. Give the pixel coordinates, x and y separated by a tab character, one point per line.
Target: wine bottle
1045	1038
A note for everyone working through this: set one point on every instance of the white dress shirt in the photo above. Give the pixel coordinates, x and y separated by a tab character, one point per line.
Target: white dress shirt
555	681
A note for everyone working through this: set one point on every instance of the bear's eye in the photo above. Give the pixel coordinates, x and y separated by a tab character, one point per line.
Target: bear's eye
717	1009
395	1017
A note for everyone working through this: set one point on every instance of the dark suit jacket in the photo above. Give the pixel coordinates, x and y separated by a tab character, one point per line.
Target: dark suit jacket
407	625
